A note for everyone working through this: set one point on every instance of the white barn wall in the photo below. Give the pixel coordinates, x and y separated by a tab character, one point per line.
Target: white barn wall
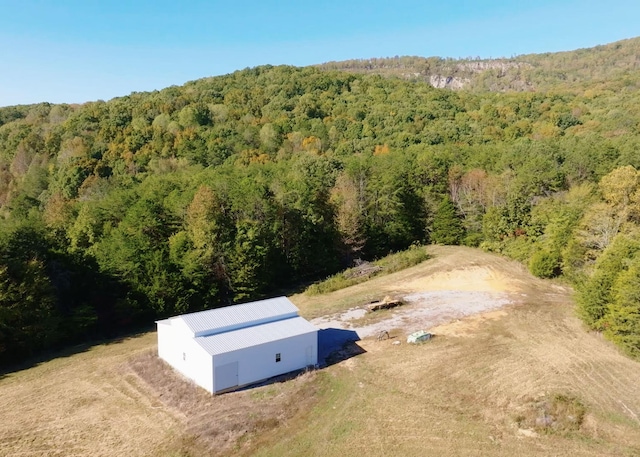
166	345
180	326
196	363
257	363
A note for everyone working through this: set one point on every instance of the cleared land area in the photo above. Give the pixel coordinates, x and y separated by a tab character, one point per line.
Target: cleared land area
522	379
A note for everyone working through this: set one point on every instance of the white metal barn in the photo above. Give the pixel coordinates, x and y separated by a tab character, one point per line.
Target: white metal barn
224	348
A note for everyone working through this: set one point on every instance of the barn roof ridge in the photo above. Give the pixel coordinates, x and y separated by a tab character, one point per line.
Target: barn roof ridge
244	337
229	318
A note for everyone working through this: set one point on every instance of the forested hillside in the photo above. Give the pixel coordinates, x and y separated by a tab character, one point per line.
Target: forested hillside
227	188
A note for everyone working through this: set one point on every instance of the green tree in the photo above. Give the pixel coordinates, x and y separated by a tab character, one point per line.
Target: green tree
447	227
28	317
595	294
348	196
622	322
545	264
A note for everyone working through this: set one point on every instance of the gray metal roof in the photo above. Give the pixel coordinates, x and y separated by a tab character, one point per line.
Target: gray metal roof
229	318
254	336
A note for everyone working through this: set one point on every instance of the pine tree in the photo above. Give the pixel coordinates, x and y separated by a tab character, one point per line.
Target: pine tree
447	227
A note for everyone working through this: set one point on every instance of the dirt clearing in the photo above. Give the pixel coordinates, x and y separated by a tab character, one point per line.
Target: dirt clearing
436	292
469	278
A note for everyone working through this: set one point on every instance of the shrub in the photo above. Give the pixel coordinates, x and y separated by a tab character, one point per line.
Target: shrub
389	264
473	239
595	295
622	322
557	413
545	264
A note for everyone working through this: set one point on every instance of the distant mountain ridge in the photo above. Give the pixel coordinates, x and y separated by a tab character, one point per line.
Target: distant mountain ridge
530	72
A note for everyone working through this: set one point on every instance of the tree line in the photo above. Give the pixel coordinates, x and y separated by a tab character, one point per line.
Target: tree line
228	188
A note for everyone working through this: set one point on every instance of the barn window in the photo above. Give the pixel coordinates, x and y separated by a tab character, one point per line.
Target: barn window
278	357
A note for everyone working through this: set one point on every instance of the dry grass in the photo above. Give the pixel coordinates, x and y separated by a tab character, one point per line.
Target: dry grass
479	395
83	404
120	399
224	424
525	380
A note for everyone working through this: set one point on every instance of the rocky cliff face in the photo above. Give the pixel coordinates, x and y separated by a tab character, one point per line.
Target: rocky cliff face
448	82
442	73
460	75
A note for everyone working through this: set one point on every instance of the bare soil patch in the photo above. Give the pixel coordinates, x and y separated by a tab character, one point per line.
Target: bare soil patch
470	278
436	292
468	326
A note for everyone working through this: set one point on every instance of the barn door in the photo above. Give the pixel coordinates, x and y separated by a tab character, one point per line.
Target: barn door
226	376
309	355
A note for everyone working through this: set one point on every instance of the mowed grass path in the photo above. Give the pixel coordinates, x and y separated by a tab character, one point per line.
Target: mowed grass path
464	393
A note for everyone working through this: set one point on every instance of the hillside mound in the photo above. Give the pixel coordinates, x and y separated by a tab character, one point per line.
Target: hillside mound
525	379
453	284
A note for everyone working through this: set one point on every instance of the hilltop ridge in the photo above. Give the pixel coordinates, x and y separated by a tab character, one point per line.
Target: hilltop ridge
528	72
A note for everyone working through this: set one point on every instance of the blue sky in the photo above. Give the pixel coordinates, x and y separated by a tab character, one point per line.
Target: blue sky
80	50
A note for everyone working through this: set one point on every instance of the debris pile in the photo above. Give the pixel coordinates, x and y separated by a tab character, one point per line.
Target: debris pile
386	303
362	269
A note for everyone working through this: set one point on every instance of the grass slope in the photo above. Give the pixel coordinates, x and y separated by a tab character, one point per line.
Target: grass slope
486	385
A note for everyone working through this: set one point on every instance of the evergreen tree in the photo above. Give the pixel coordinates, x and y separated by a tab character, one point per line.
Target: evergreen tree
447	227
623	318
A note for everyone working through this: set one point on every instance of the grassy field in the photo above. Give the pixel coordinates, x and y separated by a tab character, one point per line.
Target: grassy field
523	380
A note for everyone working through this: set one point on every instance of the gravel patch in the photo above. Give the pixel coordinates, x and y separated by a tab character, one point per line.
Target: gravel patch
422	311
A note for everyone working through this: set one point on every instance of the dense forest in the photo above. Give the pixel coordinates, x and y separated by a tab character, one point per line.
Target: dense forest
228	188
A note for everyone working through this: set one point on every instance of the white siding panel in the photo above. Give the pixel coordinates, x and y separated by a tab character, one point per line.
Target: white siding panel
165	338
185	355
200	367
195	363
259	362
180	326
226	376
